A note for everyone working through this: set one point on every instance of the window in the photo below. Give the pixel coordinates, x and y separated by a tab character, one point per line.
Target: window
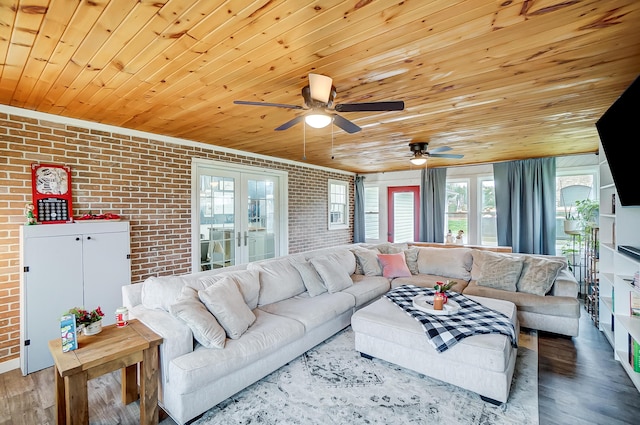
338	204
371	213
488	227
456	216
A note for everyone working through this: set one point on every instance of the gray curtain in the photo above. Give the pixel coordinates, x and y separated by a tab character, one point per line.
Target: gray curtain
358	210
526	205
433	199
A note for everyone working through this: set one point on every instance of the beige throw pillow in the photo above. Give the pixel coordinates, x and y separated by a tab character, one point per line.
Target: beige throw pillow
499	271
224	300
206	329
367	259
538	275
411	257
335	278
450	262
311	278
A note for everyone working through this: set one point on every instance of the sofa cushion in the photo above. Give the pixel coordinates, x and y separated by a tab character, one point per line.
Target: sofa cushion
391	248
224	300
367	288
310	277
538	275
565	285
367	261
497	270
198	369
279	280
335	278
454	263
161	292
248	282
312	312
394	265
411	257
206	329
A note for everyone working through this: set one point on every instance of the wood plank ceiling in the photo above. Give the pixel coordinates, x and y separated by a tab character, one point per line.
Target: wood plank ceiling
494	80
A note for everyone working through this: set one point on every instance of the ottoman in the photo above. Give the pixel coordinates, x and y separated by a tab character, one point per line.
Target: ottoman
483	364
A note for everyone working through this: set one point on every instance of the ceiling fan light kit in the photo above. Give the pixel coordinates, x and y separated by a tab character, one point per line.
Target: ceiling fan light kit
418	159
317	120
420	153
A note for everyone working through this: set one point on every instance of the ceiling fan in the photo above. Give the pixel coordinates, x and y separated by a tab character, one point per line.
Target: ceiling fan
318	100
420	153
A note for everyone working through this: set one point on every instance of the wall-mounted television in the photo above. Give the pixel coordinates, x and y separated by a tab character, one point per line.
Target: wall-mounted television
619	130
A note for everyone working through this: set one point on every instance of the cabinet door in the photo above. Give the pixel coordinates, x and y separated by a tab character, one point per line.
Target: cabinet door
52	285
106	268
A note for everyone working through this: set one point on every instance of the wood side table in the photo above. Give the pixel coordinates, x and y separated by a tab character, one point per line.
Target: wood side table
112	349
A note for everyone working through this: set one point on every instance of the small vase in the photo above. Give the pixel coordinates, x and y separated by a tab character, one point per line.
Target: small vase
438	301
93	328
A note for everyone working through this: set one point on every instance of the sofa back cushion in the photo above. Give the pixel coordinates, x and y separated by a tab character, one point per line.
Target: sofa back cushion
279	280
162	291
451	262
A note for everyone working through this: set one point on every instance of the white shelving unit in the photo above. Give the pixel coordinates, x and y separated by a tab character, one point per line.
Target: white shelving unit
618	226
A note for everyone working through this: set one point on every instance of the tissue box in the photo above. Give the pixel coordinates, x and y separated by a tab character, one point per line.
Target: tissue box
68	333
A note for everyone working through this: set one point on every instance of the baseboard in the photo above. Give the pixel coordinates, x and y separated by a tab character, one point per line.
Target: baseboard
9	365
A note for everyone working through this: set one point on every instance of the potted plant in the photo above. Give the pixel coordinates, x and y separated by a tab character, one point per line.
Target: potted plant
90	322
588	211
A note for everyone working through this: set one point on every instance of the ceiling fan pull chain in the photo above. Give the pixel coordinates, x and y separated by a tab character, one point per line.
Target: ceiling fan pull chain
332	157
304	142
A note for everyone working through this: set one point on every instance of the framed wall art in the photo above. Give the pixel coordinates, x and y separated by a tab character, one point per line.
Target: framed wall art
51	188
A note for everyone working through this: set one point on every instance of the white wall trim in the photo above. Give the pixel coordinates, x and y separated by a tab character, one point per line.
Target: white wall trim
9	365
27	113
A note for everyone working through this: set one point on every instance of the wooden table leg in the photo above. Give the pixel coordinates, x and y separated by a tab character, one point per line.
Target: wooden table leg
76	399
129	378
149	375
61	411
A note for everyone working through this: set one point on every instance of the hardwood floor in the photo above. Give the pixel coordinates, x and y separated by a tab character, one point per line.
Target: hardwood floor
579	383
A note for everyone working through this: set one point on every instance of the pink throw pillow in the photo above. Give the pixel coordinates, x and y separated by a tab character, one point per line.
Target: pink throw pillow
394	265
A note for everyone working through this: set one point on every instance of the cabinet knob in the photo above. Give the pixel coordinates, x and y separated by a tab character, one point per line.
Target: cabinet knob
78	238
88	237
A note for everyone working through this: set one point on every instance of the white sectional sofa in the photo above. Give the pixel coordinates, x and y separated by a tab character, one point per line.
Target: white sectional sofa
225	329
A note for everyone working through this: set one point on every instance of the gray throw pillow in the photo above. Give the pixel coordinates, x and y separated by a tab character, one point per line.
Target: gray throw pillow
411	257
500	271
224	300
312	280
538	275
335	278
367	259
190	310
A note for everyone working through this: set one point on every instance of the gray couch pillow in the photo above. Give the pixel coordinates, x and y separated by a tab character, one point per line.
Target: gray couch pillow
206	329
248	282
367	260
335	278
311	278
538	275
411	257
224	300
279	280
499	271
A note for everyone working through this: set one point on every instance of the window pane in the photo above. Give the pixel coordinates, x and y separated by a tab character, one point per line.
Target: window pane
403	217
338	199
456	217
488	229
371	213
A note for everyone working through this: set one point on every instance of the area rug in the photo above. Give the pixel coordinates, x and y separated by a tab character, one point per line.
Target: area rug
333	384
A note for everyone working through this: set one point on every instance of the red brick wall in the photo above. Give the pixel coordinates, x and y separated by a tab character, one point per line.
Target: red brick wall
148	182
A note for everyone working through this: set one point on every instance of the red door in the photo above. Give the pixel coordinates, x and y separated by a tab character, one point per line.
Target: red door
404	213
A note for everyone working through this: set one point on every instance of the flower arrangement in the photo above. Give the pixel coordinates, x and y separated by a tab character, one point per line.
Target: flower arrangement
443	287
84	317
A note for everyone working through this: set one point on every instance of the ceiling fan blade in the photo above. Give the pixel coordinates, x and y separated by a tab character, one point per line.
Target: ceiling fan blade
320	87
371	106
277	105
290	123
440	149
345	124
445	155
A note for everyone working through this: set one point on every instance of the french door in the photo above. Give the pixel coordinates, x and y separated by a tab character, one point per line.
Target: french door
238	214
404	213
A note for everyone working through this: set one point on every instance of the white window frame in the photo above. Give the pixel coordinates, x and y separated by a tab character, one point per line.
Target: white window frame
344	224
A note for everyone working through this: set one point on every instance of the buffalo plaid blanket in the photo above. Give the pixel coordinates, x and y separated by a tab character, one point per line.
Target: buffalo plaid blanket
445	331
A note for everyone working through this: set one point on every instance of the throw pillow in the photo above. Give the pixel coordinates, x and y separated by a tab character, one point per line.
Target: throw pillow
367	259
391	248
335	278
411	257
279	280
224	300
248	282
311	278
206	329
500	271
538	275
394	265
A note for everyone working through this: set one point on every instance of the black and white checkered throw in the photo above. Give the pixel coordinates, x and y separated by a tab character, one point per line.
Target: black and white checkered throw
445	331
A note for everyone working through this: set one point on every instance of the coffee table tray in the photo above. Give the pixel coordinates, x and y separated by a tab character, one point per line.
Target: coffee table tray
425	303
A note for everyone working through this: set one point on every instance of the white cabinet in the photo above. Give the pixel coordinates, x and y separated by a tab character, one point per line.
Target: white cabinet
81	264
618	226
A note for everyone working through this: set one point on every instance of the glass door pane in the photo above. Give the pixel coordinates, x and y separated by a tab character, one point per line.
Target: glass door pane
261	223
217	220
403	213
